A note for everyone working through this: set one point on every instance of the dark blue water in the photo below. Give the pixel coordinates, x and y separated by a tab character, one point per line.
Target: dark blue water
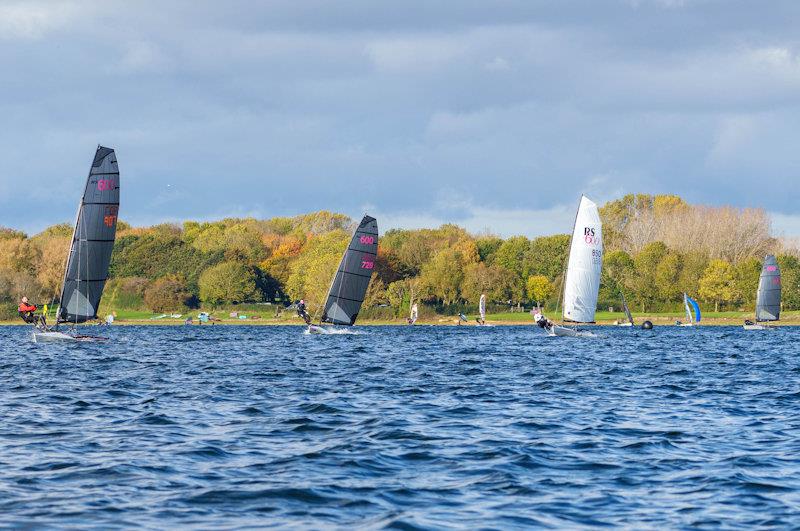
401	427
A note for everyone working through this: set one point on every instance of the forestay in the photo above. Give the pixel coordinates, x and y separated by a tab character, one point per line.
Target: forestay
768	300
92	241
352	278
582	282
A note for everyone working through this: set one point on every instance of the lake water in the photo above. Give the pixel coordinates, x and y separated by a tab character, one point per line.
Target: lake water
404	427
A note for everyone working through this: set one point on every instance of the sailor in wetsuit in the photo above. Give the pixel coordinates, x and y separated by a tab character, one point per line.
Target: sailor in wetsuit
543	321
301	311
26	312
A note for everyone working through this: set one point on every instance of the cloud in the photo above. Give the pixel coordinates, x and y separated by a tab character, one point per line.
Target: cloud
33	19
469	112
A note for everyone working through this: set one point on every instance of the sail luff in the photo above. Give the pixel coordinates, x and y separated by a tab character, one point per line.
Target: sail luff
563	295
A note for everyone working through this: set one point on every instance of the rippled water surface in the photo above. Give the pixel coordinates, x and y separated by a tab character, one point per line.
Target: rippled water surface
425	427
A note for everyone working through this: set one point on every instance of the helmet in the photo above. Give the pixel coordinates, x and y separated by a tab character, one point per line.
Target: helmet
538	317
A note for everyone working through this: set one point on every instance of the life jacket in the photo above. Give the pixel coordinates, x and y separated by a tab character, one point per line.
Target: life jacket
25	308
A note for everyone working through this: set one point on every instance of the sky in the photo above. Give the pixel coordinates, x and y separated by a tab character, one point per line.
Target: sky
493	115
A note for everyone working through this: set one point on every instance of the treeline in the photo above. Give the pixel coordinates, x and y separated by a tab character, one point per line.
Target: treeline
656	247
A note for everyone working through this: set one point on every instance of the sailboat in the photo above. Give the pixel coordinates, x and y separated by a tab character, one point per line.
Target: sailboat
768	297
351	280
90	252
482	312
693	315
582	281
628	315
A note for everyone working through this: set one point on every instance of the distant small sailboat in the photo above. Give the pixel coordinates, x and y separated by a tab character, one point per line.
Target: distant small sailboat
768	296
693	315
350	283
90	253
482	311
412	319
582	281
627	311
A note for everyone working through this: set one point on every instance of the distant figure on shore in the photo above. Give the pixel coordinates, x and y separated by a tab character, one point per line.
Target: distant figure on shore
301	311
414	314
26	312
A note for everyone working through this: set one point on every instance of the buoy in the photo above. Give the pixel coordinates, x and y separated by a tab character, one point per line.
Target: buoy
647	325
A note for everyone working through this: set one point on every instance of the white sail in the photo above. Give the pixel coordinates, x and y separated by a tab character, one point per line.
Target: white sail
482	307
686	307
582	283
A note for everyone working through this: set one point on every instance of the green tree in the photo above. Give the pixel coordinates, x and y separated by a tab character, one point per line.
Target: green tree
617	276
790	281
512	256
539	289
667	274
228	282
718	283
694	266
747	274
443	275
646	263
547	255
167	294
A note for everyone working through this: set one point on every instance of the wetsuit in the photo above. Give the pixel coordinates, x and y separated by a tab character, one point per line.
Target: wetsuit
301	311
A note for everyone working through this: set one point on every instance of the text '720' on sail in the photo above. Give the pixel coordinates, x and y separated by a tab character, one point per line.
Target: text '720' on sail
350	284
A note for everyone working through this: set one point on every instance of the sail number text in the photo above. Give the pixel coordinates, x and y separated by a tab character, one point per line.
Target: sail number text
367	240
106	184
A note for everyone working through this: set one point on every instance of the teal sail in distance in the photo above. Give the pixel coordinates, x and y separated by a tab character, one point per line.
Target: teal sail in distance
92	241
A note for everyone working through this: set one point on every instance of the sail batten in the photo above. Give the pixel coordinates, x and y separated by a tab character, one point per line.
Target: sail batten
349	286
582	283
768	297
92	241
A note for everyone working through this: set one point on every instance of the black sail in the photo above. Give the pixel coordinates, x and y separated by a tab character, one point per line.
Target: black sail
352	279
92	241
768	300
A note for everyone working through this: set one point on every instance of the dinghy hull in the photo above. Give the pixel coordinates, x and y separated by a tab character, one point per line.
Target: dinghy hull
53	336
563	331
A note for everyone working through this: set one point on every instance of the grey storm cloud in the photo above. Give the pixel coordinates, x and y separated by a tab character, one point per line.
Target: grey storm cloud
496	115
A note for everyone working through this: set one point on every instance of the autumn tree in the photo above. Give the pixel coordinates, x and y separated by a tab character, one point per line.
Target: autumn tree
718	283
228	282
312	272
442	276
166	294
539	289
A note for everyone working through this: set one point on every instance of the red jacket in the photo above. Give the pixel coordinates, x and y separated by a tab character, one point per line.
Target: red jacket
25	308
